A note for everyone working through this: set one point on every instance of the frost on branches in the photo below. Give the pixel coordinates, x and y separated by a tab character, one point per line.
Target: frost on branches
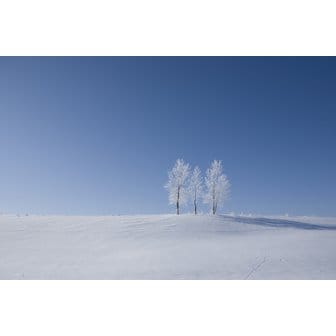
195	187
182	188
217	186
177	185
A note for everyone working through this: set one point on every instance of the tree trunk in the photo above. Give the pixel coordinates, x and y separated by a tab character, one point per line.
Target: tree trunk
195	204
213	201
178	202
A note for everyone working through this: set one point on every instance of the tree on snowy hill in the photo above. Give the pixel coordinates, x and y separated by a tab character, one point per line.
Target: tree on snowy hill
177	184
195	187
217	186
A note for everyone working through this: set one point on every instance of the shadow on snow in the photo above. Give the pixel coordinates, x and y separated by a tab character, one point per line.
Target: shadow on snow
280	223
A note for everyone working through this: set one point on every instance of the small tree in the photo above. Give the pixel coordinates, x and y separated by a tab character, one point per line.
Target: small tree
177	184
217	186
195	187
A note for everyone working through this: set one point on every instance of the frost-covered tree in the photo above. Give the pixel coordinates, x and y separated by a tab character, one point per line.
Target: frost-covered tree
196	187
177	184
217	186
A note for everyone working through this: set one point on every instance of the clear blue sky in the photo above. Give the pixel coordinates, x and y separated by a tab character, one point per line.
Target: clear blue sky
97	135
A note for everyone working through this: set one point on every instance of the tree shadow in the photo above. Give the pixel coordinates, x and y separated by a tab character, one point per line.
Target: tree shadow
280	223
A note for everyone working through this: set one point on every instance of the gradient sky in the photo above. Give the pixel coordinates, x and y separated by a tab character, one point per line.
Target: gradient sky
98	135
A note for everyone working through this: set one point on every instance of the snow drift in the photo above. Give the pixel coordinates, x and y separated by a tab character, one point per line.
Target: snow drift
167	247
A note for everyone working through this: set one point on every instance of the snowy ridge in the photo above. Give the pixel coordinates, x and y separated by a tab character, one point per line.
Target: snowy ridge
167	247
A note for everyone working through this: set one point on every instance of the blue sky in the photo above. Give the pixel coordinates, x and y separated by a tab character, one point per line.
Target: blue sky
97	135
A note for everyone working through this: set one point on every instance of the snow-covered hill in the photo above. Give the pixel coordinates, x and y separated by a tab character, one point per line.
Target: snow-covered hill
167	247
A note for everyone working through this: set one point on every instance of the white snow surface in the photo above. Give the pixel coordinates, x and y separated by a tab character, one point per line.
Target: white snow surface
167	247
